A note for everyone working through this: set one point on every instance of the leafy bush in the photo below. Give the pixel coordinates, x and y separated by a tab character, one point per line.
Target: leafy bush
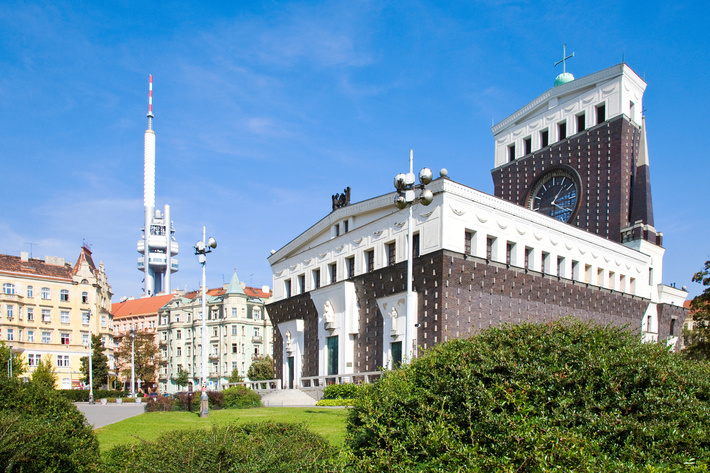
240	397
159	404
566	395
42	431
335	402
261	447
341	391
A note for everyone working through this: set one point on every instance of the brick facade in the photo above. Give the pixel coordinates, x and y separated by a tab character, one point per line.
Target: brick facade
458	296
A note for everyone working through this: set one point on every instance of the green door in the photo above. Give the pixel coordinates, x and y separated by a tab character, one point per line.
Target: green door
332	343
289	361
396	354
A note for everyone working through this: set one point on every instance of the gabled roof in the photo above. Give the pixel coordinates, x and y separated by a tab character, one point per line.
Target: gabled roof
142	306
85	255
257	292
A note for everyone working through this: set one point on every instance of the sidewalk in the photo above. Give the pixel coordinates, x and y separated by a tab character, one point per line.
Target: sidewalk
99	416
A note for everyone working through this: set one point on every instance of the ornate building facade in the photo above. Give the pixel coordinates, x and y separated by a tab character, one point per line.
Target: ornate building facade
238	329
49	308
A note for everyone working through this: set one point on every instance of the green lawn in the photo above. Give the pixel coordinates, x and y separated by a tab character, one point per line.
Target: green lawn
330	423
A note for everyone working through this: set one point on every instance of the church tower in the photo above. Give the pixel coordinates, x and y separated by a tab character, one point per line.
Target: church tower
578	153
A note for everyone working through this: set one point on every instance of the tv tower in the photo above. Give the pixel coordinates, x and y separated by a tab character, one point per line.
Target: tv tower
157	246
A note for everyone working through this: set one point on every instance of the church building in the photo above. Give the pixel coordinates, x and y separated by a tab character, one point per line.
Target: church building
569	232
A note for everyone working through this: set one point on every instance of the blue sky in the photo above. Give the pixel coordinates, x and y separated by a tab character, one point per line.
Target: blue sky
263	110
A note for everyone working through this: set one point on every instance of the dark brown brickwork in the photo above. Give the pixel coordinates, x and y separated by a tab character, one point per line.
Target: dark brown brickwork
459	296
604	158
666	314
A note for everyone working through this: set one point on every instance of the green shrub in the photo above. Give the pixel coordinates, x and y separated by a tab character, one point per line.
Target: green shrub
240	397
566	395
261	447
335	402
40	430
341	391
159	404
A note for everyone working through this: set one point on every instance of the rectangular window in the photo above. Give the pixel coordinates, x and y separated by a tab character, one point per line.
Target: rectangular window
350	266
8	288
588	273
64	295
333	271
30	336
46	316
287	288
103	322
63	361
545	263
612	280
581	125
178	334
346	226
84	297
544	138
601	113
528	258
527	142
632	285
575	271
469	243
179	351
234	330
234	348
336	229
561	131
316	278
31	360
490	244
511	153
10	313
257	332
257	313
64	337
509	253
600	277
85	319
370	260
214	332
672	328
30	292
415	245
561	267
45	293
10	334
234	313
64	316
85	339
301	283
391	253
46	337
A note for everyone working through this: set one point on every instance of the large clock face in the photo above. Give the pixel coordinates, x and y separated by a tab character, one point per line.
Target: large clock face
556	194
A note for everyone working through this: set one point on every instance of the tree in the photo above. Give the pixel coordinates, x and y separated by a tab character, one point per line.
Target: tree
183	377
99	363
235	377
698	338
261	368
147	356
18	365
564	396
44	374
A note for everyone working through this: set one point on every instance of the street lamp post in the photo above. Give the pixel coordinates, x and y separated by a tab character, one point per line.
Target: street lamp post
91	366
10	368
133	362
406	197
201	249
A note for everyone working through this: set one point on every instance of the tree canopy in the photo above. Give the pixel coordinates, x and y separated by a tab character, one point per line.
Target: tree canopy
698	338
261	368
147	356
18	365
44	373
99	363
566	395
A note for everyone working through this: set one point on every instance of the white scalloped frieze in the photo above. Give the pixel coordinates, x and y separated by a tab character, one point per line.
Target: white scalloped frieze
535	124
537	237
457	211
378	233
568	246
520	232
322	255
339	248
606	259
554	242
609	90
426	215
399	224
501	225
481	219
595	255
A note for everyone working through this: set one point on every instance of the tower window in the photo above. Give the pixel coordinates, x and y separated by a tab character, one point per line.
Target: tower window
601	113
544	138
469	242
391	254
490	243
562	130
511	153
287	288
370	260
528	258
301	283
333	268
581	125
415	245
316	278
350	266
527	142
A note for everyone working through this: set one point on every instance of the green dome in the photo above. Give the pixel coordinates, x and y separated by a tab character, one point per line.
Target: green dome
563	78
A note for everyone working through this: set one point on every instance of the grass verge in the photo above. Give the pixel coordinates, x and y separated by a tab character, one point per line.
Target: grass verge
330	423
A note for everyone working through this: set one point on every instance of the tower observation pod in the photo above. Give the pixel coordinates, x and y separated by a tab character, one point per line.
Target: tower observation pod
157	246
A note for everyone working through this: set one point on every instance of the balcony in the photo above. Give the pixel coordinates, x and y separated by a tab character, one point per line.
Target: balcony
213	356
163	343
256	339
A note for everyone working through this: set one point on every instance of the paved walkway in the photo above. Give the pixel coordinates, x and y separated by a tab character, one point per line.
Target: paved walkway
99	416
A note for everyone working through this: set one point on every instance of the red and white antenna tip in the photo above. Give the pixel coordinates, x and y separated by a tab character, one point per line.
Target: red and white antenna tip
150	96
